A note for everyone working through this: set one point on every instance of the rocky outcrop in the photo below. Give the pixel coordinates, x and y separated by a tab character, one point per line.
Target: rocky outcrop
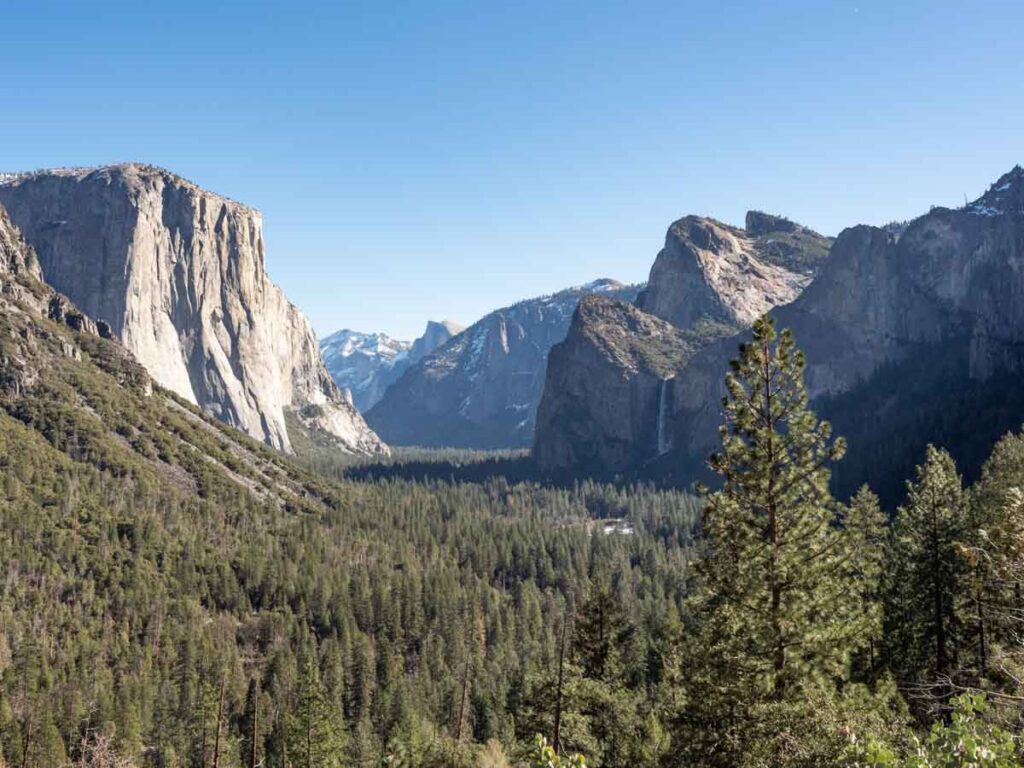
712	271
366	364
606	397
26	302
761	224
17	258
435	336
63	311
911	339
604	412
482	388
178	275
786	244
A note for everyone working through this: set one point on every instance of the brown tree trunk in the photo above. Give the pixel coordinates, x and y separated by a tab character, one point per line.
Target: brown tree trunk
462	700
941	657
220	718
556	742
27	743
775	589
255	724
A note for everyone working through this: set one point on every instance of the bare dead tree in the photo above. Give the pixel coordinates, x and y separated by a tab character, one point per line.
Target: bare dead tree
556	741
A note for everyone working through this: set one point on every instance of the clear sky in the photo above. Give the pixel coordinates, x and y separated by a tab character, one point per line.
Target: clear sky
441	159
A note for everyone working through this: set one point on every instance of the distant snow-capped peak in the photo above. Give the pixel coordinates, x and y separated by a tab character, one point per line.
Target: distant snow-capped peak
345	343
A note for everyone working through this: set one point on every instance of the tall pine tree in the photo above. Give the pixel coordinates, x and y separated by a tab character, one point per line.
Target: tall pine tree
315	734
780	599
928	575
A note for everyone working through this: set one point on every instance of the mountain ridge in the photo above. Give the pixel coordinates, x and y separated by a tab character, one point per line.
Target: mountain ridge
179	275
366	364
911	336
481	389
607	394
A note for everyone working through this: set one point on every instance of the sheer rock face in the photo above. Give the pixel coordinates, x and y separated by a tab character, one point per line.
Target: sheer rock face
178	274
711	271
482	388
946	294
26	301
606	388
603	411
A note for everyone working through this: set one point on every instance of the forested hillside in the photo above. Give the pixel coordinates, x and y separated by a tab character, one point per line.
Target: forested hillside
184	596
176	595
386	614
173	593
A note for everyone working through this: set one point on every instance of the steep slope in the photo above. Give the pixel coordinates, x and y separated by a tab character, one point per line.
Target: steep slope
155	562
603	412
68	391
606	397
482	388
909	339
434	336
712	271
366	364
178	274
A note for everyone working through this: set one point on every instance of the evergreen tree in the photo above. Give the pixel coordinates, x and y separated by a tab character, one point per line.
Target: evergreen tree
994	592
928	574
601	633
868	544
780	599
253	726
994	554
315	738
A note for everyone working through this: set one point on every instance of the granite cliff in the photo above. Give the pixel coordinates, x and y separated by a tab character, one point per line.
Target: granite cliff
177	273
40	326
617	362
607	401
481	389
911	337
712	271
913	334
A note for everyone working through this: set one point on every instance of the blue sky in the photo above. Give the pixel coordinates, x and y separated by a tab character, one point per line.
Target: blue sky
441	159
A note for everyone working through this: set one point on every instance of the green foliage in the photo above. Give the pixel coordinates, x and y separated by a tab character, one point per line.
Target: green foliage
544	756
148	554
966	741
784	590
927	573
994	555
314	727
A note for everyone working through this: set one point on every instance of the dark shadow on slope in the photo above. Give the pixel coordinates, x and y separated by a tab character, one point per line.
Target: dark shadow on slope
890	419
428	464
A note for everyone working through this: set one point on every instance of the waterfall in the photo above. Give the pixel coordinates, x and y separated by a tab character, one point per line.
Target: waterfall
664	439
